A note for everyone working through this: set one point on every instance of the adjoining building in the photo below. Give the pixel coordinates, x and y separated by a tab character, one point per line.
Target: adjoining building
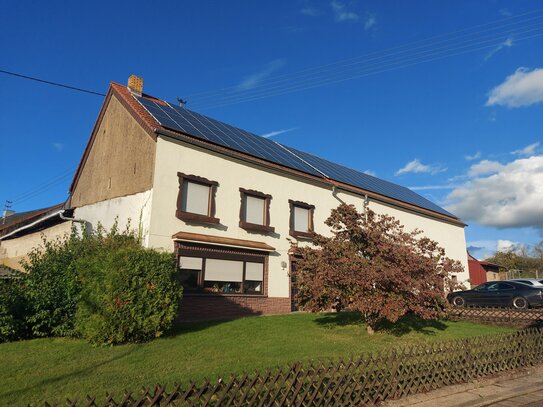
226	201
21	232
481	271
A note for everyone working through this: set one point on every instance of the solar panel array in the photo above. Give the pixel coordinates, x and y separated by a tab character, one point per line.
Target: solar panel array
194	124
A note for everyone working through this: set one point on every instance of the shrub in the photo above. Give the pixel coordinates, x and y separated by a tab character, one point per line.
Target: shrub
53	285
13	309
129	294
372	265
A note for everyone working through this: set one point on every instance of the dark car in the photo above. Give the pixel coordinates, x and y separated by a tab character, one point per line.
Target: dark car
499	294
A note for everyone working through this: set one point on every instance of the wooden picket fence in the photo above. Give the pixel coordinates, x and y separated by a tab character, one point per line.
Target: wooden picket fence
367	379
507	316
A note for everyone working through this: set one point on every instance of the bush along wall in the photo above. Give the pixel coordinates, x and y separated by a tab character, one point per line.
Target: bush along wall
103	286
128	295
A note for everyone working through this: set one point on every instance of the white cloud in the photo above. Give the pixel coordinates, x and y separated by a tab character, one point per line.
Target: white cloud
523	88
251	81
341	13
528	150
475	156
483	249
58	146
505	12
505	245
277	132
507	43
310	11
370	22
503	195
370	172
415	166
484	167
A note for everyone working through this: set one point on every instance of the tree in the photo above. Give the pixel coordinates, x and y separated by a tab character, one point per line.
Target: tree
371	265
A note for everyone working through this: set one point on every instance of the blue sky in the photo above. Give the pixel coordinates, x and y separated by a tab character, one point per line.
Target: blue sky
444	97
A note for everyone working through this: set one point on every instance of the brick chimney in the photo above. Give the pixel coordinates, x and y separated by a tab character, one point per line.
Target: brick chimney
135	85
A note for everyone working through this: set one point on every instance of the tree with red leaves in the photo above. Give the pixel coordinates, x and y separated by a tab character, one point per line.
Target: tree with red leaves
372	265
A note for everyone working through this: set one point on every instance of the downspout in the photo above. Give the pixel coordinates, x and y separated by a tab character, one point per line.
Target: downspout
72	219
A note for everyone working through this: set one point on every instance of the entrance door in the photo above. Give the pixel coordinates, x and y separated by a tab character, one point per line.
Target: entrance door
293	288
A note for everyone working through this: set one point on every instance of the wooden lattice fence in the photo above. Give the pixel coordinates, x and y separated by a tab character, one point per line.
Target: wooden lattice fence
509	316
362	380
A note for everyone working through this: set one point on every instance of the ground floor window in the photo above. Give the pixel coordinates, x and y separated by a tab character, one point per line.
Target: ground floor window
214	269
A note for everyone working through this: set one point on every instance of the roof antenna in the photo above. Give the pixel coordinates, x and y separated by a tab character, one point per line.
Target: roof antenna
181	102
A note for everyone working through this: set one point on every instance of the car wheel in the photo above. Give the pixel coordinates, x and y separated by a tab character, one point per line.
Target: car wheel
458	301
520	303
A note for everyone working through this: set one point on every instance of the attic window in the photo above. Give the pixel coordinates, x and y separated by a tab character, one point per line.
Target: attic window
196	199
255	211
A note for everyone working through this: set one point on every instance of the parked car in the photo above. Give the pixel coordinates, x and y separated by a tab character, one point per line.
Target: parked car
499	294
529	281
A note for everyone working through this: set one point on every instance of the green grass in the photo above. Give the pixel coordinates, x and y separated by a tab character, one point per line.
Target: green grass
55	368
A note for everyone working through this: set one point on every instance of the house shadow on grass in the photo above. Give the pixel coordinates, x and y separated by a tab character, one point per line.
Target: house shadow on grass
403	326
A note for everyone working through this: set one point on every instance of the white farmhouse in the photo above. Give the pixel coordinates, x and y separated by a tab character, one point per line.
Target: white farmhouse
226	201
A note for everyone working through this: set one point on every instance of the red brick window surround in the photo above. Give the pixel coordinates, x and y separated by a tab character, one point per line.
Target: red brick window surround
254	214
221	270
196	199
301	219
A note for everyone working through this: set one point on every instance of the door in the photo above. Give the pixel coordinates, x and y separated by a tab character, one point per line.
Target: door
505	294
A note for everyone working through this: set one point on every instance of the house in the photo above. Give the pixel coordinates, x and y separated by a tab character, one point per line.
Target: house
21	232
482	271
226	201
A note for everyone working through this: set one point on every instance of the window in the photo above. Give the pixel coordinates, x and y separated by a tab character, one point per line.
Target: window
301	219
505	286
196	199
190	267
220	270
255	211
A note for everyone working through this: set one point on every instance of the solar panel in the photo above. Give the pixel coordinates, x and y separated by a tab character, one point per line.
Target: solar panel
352	177
199	126
196	125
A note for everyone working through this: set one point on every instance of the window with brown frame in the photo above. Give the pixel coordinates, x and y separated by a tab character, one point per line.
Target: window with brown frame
301	219
220	270
196	199
254	212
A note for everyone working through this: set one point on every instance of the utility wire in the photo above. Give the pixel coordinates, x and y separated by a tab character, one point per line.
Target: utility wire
408	60
61	85
495	25
472	41
39	189
386	59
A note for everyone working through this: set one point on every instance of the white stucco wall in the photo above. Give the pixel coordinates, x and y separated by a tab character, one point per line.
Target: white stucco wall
173	157
134	208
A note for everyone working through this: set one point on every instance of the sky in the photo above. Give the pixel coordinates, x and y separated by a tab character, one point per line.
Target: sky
442	97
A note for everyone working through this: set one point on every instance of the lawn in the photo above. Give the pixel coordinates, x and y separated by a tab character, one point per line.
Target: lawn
53	369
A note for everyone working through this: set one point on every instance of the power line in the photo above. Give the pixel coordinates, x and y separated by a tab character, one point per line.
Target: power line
408	60
447	44
61	85
495	25
40	189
